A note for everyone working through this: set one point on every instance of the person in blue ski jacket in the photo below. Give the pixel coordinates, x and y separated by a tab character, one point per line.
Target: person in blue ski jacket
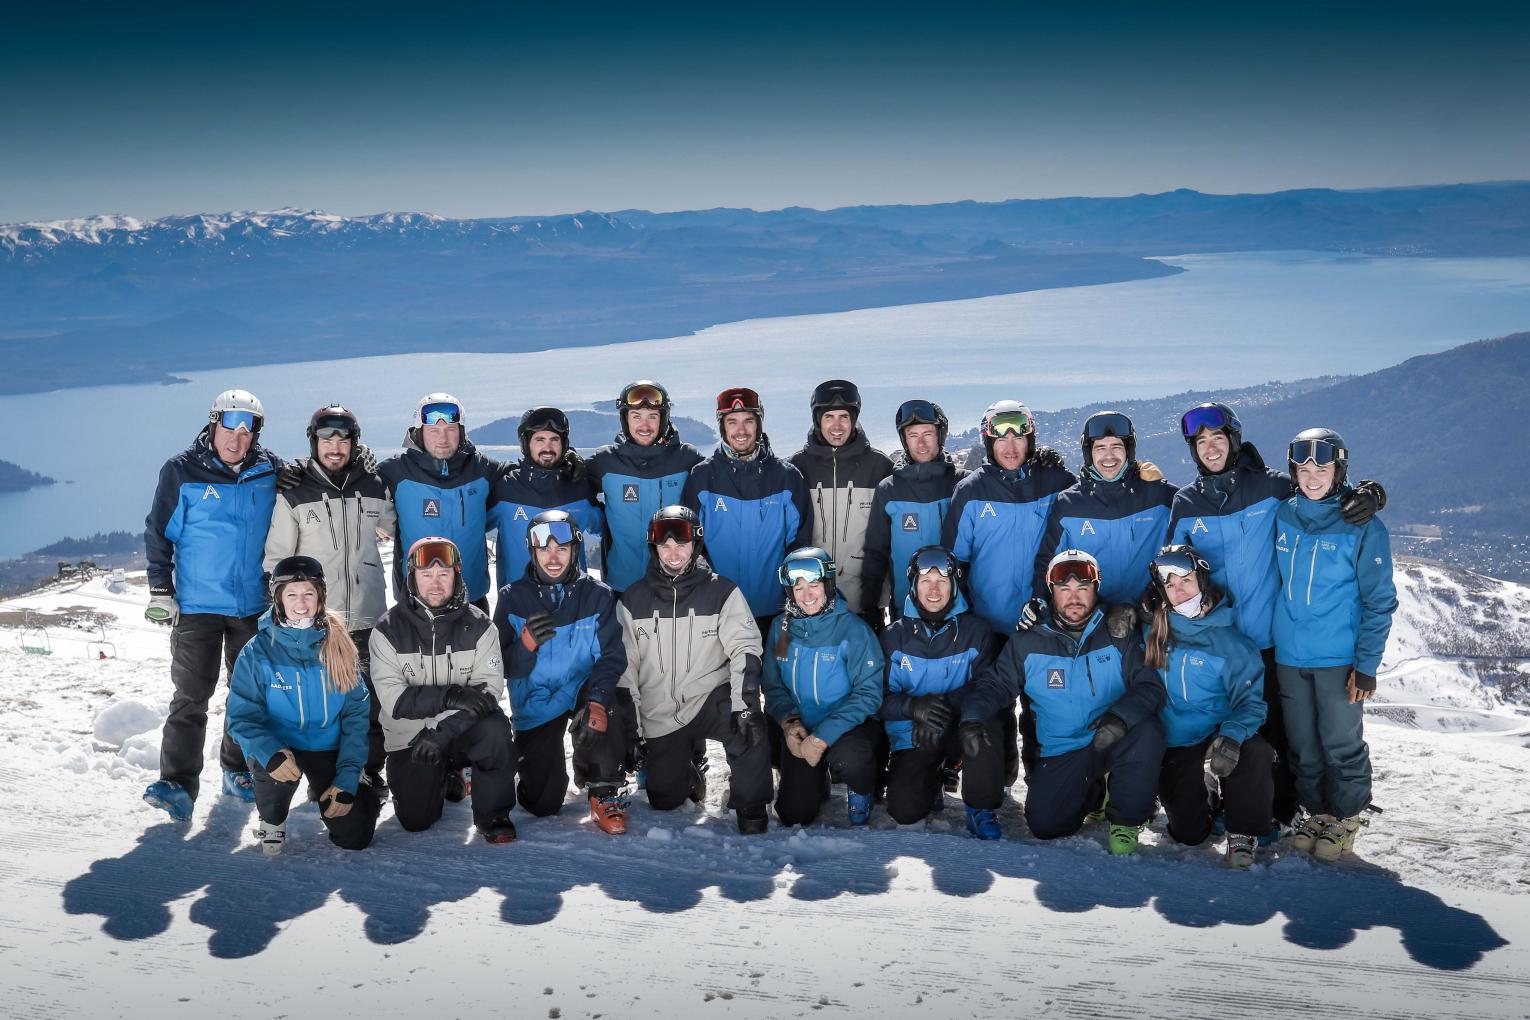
1118	512
205	537
550	476
935	653
1213	677
563	658
822	681
1228	513
753	506
298	709
908	508
1332	618
643	470
441	486
1095	704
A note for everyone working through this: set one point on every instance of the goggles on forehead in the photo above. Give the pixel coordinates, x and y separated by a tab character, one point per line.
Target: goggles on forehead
561	532
644	396
1320	451
1010	423
1213	418
937	560
441	414
1176	564
792	571
917	412
1080	570
440	552
236	420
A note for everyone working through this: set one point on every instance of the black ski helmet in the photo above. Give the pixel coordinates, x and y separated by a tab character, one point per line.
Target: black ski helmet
296	568
1303	448
677	522
541	419
1109	423
557	526
1218	417
643	393
921	412
332	416
803	557
835	395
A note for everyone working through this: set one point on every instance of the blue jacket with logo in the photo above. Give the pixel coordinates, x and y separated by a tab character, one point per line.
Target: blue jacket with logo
1230	518
1122	524
923	659
520	493
633	483
1068	684
995	525
585	654
907	513
1337	595
205	535
830	676
279	696
445	499
1214	680
754	512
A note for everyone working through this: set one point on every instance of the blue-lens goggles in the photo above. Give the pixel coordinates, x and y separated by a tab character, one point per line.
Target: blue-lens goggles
938	560
441	414
1213	418
793	571
235	420
561	532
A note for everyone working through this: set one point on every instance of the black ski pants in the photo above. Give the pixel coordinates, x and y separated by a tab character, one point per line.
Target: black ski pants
541	763
1274	733
1191	796
850	760
672	766
917	773
197	642
1064	788
351	831
375	753
419	788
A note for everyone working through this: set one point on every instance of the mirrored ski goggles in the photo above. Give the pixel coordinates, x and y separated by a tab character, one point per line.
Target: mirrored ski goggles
644	396
438	553
1319	451
1073	570
1175	564
938	560
792	571
1213	418
441	414
546	419
1111	423
917	412
561	532
1010	423
740	398
236	420
678	529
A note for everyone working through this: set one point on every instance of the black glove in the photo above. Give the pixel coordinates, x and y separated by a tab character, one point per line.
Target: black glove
1363	502
365	459
1047	457
1223	756
538	631
590	726
1030	614
974	738
750	725
1108	729
1364	681
277	761
291	475
1121	620
1149	601
932	715
473	699
428	747
573	466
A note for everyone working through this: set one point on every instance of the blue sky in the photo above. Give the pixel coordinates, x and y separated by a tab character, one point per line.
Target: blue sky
484	110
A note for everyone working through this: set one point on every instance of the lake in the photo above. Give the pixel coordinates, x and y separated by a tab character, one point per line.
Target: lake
1229	320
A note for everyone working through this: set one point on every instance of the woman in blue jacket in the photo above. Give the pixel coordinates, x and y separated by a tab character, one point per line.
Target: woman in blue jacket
1332	618
1213	676
297	708
822	680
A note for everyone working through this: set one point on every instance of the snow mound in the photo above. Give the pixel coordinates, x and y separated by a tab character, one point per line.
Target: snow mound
142	750
123	719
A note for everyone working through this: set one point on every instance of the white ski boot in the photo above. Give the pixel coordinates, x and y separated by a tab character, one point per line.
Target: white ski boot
1337	838
270	837
1240	850
1307	832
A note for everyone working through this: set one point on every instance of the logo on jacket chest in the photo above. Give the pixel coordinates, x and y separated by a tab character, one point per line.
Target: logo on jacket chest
1281	544
1087	529
520	514
1056	679
211	490
432	508
910	522
1199	526
407	671
279	682
629	493
312	517
905	663
722	505
988	511
1196	661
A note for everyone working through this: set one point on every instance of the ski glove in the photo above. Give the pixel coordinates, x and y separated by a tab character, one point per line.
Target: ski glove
1360	686
1121	620
428	747
1030	613
336	803
573	466
932	715
365	458
473	699
290	476
538	631
1148	471
1047	457
749	724
1108	729
592	725
1150	599
1223	756
1363	502
973	737
283	767
163	609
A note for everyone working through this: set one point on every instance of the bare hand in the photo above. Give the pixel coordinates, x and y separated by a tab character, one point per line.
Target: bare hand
289	771
335	808
812	750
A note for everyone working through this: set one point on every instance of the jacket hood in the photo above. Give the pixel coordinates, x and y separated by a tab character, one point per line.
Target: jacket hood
1319	514
201	448
662	583
942	465
818	449
957	606
633	453
1220	616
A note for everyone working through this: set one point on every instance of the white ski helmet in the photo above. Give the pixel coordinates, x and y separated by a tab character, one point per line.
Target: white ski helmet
430	399
237	400
1073	563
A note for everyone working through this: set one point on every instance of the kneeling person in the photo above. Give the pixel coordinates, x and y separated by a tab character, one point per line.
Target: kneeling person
437	669
563	658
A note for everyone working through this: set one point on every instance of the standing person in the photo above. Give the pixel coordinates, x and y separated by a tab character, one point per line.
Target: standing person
752	505
643	470
841	470
1228	513
693	667
1213	678
564	657
1095	705
823	684
1332	619
1118	512
334	514
437	667
298	709
550	476
935	652
204	536
441	487
909	506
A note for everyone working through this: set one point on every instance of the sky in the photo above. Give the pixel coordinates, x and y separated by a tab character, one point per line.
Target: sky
523	109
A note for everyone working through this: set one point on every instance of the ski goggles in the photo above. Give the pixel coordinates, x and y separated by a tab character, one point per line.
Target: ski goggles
809	568
837	393
645	396
545	419
739	398
1072	570
561	532
335	427
917	412
434	552
1009	423
677	529
1111	424
936	559
441	413
236	420
1319	451
297	568
1172	564
1208	417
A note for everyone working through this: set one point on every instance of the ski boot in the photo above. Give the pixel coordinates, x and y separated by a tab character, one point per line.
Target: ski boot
1123	839
608	809
169	796
1098	814
373	778
752	821
1307	832
983	824
951	777
860	807
699	766
1240	851
459	784
270	836
240	785
1337	838
499	829
939	803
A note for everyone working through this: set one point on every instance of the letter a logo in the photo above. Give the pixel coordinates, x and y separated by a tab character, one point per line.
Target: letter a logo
212	491
1056	680
629	493
988	511
722	505
910	522
1087	529
1199	526
520	514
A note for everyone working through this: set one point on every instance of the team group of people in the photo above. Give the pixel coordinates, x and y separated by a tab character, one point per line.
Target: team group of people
901	626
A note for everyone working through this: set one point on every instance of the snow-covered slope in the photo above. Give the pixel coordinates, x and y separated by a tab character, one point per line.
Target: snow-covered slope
106	908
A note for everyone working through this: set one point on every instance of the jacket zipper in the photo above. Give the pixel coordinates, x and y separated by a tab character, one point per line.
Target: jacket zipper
433	678
1184	688
1291	580
674	655
1311	572
302	715
324	693
815	678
